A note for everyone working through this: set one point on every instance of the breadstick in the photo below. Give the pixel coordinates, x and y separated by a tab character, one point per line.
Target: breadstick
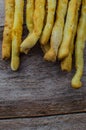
68	30
49	23
45	48
66	63
17	34
30	6
39	15
57	32
7	34
29	14
79	48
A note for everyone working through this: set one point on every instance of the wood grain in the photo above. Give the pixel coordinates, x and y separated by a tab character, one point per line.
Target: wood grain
66	122
39	88
1	12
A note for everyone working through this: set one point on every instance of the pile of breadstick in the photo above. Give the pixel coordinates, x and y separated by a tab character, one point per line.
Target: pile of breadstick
58	25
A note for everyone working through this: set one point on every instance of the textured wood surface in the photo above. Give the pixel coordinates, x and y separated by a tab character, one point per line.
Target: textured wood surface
39	88
66	122
1	12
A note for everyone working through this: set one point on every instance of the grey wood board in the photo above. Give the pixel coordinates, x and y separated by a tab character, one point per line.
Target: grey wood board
39	88
1	12
66	122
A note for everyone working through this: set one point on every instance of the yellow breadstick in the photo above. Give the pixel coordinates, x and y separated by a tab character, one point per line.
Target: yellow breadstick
68	30
66	63
30	6
57	32
17	34
49	22
45	48
79	47
29	14
7	34
39	15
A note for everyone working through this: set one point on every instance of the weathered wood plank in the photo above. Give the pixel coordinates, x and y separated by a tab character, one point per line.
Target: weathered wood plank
1	12
66	122
39	88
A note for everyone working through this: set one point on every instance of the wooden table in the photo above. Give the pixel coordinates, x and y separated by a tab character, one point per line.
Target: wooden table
39	95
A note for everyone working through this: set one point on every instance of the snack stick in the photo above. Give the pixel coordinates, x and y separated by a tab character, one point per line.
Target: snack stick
57	31
17	34
68	30
7	34
79	48
66	63
49	23
29	14
39	15
45	48
30	6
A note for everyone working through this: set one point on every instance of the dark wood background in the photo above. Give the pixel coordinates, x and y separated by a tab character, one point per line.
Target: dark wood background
39	95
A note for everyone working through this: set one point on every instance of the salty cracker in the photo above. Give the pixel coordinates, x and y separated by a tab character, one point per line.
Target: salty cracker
29	14
79	48
49	22
66	63
7	34
68	30
17	34
57	32
39	15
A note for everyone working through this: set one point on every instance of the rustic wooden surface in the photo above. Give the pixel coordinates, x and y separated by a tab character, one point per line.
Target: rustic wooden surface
1	12
66	122
39	88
